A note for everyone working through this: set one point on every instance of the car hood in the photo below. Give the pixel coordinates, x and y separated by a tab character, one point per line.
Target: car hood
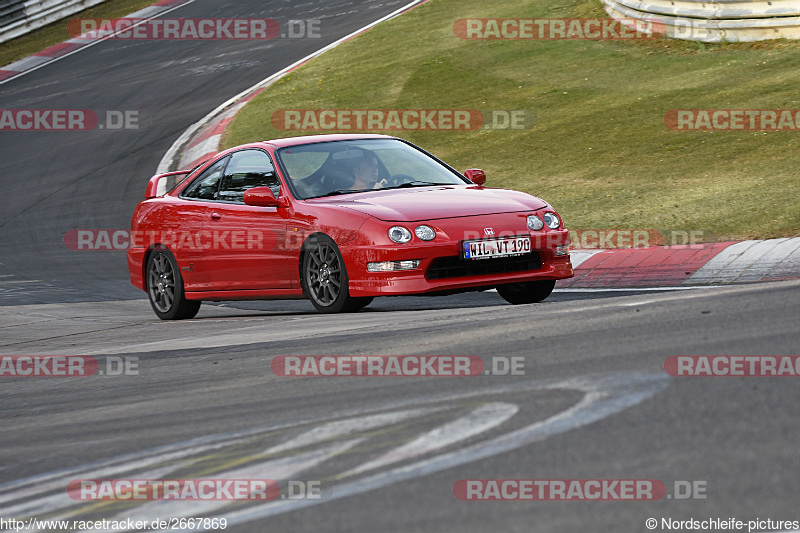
432	203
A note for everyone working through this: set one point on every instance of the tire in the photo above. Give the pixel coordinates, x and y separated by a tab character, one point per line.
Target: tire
325	280
361	302
526	293
164	286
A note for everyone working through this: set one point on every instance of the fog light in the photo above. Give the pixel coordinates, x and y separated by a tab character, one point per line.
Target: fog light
562	250
393	266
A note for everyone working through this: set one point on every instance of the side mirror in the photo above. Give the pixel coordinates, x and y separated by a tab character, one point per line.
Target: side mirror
476	176
260	197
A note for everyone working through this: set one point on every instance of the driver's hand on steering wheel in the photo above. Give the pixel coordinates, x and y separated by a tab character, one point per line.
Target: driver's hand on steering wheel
381	184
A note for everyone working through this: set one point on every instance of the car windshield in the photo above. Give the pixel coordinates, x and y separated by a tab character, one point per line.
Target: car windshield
342	167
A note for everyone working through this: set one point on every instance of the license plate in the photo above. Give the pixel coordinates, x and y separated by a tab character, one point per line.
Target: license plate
503	247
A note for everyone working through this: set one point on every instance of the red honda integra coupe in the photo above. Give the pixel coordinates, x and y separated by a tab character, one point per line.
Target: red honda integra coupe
338	219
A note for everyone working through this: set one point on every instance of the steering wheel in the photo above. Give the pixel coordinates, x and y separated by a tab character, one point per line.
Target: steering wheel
395	180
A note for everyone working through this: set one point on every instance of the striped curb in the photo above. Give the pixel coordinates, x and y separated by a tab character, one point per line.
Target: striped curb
747	261
57	51
702	264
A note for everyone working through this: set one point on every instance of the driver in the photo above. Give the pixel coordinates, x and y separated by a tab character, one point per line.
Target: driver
365	172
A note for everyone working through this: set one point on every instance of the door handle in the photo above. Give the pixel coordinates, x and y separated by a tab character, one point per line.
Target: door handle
215	215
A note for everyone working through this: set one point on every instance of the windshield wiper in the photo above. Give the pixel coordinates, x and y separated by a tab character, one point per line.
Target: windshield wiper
337	192
414	184
402	186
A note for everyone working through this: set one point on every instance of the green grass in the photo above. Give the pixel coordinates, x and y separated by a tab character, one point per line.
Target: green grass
56	32
600	151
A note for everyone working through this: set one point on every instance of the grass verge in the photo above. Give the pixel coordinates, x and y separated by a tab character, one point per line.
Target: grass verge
600	151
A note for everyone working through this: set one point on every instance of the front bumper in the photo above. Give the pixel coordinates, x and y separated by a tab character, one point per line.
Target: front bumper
457	274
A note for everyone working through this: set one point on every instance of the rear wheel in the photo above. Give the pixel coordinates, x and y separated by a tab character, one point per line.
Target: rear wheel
325	278
526	293
165	288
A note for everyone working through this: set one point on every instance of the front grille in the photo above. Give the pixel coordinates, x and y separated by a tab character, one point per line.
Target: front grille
456	267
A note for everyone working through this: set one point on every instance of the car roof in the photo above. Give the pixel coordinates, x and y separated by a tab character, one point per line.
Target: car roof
295	141
308	139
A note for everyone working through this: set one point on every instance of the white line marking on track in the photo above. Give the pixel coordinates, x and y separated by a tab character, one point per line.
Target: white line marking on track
481	419
603	395
98	41
275	469
339	428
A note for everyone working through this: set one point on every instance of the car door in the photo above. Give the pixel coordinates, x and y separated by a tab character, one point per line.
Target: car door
249	250
183	232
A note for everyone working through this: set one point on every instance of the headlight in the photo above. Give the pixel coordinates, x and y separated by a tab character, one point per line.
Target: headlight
551	219
535	223
399	234
425	233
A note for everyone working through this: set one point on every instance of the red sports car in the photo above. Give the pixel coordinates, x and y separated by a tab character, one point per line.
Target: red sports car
338	219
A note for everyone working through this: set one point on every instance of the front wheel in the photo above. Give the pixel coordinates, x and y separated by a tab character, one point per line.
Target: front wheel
165	288
526	293
325	278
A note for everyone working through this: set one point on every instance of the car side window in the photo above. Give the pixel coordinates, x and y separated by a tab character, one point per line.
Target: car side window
205	186
247	169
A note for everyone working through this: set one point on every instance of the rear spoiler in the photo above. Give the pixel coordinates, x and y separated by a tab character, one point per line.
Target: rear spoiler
161	184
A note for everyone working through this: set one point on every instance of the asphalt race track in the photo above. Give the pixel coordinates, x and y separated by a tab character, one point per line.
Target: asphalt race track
205	400
57	181
201	398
